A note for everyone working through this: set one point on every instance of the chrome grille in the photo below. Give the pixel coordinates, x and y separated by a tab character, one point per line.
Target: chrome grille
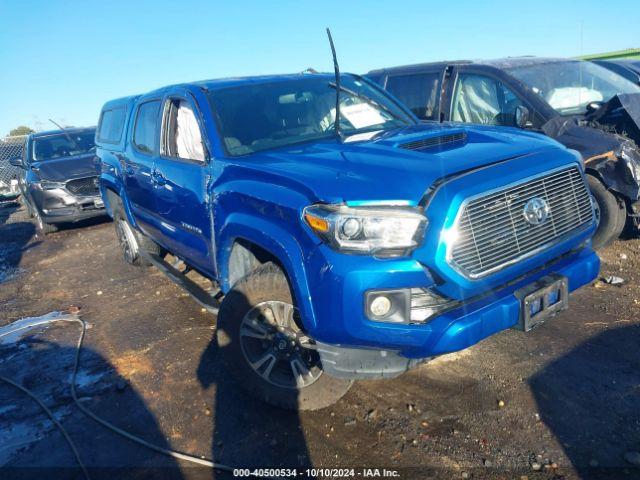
492	230
84	187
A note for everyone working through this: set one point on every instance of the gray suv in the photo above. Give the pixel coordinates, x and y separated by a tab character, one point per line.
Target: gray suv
58	178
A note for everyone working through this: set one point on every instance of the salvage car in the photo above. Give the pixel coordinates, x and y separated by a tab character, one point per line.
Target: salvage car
629	69
346	239
582	105
58	179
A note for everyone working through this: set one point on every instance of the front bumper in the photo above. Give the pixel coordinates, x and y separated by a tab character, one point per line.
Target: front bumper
60	206
337	294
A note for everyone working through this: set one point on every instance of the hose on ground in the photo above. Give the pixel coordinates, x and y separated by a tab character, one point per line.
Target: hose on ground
108	425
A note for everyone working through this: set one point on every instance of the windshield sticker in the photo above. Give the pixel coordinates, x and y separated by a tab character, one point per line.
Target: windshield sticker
362	115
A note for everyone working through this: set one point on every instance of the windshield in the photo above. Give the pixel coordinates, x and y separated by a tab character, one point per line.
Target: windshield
63	145
255	117
570	86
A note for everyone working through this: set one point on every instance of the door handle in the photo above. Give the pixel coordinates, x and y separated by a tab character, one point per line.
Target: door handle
158	179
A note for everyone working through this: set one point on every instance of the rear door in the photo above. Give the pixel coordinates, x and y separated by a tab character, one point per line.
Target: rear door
140	155
182	177
420	91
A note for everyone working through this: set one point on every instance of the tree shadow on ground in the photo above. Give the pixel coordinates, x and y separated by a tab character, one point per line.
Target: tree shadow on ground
30	445
590	399
15	239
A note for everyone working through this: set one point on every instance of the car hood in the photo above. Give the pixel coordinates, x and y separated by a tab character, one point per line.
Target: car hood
66	168
608	140
383	169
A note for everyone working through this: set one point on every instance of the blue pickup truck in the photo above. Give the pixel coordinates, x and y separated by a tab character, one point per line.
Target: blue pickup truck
347	251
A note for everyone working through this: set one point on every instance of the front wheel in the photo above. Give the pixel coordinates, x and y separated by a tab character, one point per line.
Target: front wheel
264	347
43	227
610	213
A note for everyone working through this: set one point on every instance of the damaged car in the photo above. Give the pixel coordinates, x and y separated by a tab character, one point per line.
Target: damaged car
580	104
342	238
58	179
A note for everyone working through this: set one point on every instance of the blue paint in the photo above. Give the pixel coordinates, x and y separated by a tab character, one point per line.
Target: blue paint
259	197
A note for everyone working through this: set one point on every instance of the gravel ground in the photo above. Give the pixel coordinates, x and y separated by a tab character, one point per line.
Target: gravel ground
562	401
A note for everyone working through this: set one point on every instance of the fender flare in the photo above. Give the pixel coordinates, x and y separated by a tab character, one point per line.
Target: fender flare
279	243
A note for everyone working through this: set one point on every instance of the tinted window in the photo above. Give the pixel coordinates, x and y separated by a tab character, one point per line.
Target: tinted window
144	132
420	92
63	145
111	124
484	100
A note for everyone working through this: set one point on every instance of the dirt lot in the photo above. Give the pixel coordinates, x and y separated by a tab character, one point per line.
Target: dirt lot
564	399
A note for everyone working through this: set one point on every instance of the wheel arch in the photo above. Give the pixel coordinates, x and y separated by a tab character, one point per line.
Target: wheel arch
247	243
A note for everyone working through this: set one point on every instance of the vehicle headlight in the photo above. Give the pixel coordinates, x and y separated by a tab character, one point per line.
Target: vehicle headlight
383	231
48	185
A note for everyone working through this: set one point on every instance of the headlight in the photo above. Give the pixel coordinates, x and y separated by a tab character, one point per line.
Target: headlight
384	231
48	185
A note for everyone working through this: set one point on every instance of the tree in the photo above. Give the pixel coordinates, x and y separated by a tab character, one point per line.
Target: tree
21	130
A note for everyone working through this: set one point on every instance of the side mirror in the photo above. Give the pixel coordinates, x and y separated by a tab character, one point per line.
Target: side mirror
521	117
16	162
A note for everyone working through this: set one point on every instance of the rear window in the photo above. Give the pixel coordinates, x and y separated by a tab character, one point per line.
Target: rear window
111	125
144	133
419	92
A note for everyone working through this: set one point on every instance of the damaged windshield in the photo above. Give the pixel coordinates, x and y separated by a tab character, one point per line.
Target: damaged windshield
568	87
260	116
63	145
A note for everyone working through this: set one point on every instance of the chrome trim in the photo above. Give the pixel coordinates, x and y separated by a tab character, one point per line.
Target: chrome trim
461	211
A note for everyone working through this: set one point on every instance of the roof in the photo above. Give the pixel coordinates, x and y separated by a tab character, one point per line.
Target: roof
67	130
500	63
220	83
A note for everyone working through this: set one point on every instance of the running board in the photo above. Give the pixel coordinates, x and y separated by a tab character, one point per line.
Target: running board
199	294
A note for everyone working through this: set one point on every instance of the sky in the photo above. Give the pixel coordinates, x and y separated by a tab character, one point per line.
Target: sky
63	59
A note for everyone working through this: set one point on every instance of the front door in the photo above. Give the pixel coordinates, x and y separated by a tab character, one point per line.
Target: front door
477	97
182	176
138	162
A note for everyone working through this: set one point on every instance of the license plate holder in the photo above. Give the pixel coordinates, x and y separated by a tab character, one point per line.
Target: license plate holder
542	300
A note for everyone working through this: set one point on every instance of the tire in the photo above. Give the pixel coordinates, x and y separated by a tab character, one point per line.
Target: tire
43	227
247	334
131	241
612	215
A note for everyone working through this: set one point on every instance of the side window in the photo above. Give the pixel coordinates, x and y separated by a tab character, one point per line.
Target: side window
181	136
144	131
419	92
484	100
111	125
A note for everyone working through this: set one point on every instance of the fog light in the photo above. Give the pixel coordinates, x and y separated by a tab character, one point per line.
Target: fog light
380	306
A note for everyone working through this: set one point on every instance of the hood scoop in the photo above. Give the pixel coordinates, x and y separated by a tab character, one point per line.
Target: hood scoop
442	141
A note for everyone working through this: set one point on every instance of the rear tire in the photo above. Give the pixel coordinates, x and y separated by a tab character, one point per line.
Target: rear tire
264	347
131	241
612	215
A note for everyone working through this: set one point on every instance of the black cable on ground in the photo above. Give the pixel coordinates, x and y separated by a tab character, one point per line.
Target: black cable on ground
165	451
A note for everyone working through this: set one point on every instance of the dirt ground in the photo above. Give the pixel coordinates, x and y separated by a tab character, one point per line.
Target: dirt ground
562	401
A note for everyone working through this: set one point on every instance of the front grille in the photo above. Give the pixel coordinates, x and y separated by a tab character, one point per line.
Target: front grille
84	187
493	231
432	142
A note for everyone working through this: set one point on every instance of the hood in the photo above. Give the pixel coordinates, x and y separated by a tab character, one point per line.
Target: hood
608	140
396	166
621	115
66	168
